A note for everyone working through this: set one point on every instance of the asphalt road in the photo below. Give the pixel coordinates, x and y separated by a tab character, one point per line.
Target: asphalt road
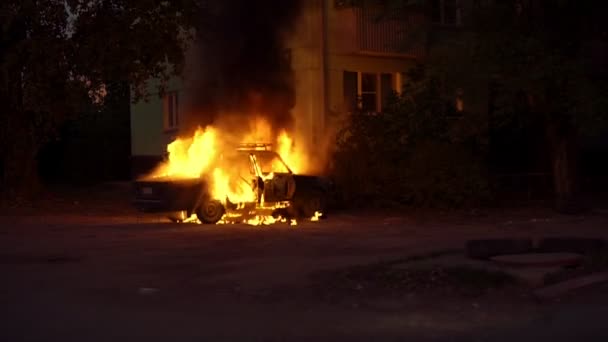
136	278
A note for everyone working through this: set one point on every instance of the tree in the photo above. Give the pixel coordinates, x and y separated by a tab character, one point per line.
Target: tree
537	48
55	53
521	63
531	57
421	150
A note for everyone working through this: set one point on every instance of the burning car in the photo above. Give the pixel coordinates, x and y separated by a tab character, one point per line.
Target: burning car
251	183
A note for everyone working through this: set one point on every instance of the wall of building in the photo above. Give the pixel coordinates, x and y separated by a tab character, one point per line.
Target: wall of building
149	138
323	45
306	47
359	42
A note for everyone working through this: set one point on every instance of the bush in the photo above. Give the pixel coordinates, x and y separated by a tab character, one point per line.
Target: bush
439	173
416	152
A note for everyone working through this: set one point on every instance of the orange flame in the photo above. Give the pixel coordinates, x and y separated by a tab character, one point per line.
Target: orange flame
203	155
190	157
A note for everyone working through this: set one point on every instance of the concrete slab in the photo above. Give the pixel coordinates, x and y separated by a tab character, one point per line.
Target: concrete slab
539	259
448	260
531	276
487	248
570	285
572	245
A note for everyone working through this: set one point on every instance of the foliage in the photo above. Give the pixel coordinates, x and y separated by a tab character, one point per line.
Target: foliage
406	276
92	147
419	151
56	55
526	74
537	57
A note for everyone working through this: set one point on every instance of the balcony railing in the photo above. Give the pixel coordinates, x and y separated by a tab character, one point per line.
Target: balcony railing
389	33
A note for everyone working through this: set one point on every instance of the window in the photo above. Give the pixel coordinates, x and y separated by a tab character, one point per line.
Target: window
350	87
270	162
387	88
171	110
368	91
344	3
446	12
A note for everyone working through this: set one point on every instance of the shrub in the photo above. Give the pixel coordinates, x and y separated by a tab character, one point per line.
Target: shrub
416	152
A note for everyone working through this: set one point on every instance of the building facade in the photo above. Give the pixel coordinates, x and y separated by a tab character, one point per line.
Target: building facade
344	57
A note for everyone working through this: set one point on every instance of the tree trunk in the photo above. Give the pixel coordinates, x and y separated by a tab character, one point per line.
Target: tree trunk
18	141
564	168
18	134
20	175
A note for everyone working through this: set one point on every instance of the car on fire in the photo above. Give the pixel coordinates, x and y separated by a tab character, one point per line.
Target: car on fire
278	192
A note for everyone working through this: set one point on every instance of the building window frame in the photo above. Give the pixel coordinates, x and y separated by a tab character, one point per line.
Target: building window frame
378	91
171	117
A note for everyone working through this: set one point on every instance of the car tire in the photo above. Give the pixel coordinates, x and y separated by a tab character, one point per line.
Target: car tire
309	205
210	212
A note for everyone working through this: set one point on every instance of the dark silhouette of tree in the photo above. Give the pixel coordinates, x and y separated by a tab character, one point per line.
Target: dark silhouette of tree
57	54
536	53
527	64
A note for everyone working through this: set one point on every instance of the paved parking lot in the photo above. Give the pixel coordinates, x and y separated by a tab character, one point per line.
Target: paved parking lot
90	277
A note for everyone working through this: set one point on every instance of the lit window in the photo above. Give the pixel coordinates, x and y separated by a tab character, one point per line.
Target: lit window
171	110
367	91
459	101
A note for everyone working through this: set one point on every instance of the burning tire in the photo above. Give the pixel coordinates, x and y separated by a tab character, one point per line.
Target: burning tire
308	206
210	212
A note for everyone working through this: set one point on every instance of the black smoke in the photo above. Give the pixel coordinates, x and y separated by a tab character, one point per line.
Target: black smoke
245	68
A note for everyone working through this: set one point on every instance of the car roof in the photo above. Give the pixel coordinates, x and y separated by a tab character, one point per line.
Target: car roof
248	147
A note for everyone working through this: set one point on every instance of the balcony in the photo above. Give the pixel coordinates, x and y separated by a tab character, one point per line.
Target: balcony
373	31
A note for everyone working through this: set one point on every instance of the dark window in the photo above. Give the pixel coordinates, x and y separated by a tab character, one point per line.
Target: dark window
175	110
369	92
350	90
450	12
446	12
171	110
386	87
344	3
436	11
368	82
171	114
368	102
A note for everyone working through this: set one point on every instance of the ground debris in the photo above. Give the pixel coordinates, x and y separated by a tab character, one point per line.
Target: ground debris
561	288
146	291
383	279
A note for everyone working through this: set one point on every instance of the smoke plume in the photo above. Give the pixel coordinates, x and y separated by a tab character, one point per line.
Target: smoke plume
244	69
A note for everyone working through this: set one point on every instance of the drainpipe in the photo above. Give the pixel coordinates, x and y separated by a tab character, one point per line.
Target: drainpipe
324	60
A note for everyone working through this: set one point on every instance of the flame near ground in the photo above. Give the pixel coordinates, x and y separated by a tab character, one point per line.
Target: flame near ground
209	153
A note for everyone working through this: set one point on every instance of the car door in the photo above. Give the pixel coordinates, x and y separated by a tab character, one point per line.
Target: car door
274	186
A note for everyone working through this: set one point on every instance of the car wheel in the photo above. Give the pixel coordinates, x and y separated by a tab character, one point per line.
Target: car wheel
210	212
308	206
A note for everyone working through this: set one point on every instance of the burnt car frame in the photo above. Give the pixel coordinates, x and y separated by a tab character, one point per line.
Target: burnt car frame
279	192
